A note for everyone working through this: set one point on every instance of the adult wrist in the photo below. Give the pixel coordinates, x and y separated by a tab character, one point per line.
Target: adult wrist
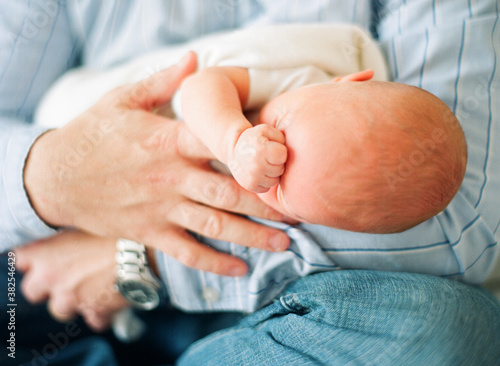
41	180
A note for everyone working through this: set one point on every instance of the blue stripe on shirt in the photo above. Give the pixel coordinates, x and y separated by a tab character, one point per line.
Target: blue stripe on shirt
460	53
490	118
15	43
463	272
44	50
425	58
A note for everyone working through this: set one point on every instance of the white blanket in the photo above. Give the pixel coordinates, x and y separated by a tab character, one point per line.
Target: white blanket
335	49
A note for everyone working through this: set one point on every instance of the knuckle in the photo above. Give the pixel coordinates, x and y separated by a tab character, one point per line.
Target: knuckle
62	304
228	194
26	290
157	180
261	143
145	232
85	309
189	258
117	95
263	128
213	225
119	90
99	313
211	189
138	232
187	211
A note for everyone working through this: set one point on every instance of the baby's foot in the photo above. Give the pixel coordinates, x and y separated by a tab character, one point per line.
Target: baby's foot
259	158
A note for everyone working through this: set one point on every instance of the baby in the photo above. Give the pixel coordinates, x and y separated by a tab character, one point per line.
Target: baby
348	152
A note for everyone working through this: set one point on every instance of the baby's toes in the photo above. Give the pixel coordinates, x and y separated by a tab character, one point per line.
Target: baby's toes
276	153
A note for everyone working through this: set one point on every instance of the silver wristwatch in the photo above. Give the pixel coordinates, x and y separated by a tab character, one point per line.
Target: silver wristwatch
134	277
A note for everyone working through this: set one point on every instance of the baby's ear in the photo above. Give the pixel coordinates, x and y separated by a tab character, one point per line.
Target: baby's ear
358	76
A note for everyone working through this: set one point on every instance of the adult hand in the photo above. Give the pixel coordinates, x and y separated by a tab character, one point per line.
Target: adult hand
121	171
74	271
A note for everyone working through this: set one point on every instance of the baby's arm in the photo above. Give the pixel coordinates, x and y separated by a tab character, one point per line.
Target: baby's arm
212	105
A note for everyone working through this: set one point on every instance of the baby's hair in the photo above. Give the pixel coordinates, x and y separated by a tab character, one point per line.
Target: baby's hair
397	156
423	158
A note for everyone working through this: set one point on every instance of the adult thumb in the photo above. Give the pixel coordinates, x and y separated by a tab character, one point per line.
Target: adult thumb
158	89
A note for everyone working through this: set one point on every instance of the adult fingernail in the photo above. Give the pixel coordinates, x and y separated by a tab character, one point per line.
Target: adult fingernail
279	242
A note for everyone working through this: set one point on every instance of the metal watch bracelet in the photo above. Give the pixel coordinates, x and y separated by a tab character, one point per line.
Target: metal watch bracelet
134	277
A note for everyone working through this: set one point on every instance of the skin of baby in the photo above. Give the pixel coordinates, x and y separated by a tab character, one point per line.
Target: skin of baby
366	156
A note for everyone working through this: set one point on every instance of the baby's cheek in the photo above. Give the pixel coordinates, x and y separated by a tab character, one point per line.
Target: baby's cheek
274	199
271	199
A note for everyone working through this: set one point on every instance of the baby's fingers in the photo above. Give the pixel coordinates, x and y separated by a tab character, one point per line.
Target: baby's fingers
266	183
270	133
276	153
274	171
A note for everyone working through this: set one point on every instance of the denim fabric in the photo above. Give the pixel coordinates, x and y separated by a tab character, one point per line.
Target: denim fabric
362	318
333	318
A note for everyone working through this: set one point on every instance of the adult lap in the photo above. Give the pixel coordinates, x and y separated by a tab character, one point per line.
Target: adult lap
365	318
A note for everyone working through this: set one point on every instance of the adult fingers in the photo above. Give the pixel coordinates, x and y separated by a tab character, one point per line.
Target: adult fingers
189	146
34	288
224	226
97	322
158	89
222	192
98	311
183	247
63	306
23	262
168	135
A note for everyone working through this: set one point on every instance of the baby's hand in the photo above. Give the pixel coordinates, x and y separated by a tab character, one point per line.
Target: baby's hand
259	158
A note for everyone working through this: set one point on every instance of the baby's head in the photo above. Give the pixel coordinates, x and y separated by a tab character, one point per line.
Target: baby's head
366	156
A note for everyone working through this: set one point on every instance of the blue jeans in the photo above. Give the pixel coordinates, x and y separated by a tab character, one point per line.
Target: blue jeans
333	318
362	318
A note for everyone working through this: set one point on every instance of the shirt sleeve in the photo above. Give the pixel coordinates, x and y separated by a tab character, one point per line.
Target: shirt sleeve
36	46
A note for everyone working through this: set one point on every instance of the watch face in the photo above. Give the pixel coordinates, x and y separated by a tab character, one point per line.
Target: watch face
140	294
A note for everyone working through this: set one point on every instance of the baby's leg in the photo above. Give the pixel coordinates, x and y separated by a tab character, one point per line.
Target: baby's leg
259	158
